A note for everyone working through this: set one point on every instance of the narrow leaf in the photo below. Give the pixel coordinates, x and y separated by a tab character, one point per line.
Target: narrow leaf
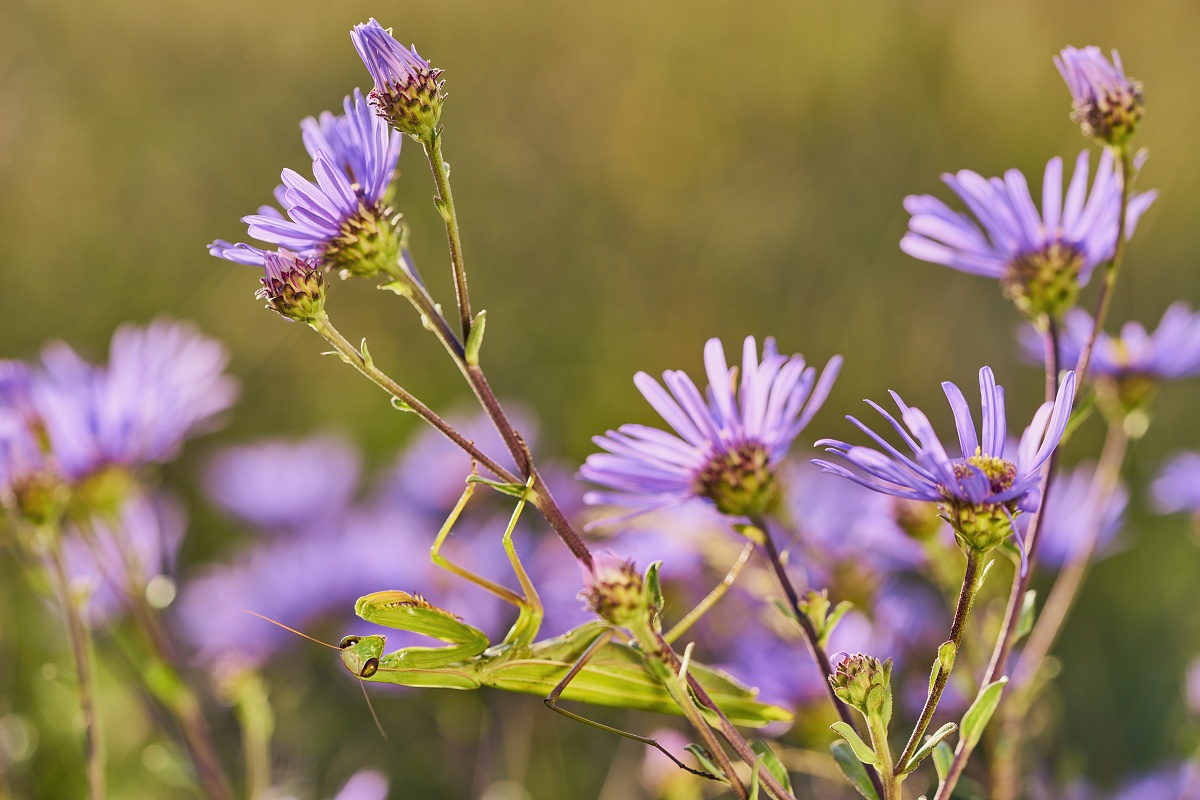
943	757
1025	621
754	783
701	755
980	712
861	749
852	768
771	761
475	339
933	741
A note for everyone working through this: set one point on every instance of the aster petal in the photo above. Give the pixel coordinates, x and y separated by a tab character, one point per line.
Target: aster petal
962	419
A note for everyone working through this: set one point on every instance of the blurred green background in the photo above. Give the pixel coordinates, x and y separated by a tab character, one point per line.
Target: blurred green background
632	178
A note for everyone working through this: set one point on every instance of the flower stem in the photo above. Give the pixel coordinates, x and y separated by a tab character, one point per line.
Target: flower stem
879	743
815	647
1125	159
1020	584
966	599
445	202
79	640
352	356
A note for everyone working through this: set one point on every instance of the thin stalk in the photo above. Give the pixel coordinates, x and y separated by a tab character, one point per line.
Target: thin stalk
258	723
1066	586
966	599
79	640
810	637
883	751
1104	301
441	176
352	356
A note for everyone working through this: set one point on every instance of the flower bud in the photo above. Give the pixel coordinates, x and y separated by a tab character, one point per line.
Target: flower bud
407	91
864	683
292	286
1107	105
614	591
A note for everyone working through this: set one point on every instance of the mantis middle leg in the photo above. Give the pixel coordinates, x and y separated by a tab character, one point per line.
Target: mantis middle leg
693	616
529	605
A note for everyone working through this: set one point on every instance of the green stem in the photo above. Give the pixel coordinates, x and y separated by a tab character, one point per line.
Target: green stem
354	358
886	770
1020	584
966	600
258	724
441	176
1125	159
79	640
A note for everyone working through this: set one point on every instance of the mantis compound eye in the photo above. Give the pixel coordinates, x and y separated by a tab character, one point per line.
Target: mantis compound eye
349	641
369	668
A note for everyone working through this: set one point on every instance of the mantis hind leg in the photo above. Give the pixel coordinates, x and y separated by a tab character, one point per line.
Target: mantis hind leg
551	701
693	616
529	605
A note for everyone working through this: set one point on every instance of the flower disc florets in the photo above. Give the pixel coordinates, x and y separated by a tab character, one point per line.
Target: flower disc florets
613	590
981	491
1044	281
863	683
729	440
1107	105
407	91
740	482
293	286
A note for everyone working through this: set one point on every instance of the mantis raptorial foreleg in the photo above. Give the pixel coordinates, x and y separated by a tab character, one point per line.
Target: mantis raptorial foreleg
551	701
529	618
716	594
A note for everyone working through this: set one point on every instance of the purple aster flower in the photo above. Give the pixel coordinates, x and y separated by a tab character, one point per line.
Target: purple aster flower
120	558
281	485
980	491
727	444
1177	487
1107	105
1072	516
163	382
341	220
1172	351
407	91
1042	259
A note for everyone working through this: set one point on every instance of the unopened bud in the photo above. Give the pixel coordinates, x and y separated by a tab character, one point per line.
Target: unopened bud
292	286
864	683
407	91
613	590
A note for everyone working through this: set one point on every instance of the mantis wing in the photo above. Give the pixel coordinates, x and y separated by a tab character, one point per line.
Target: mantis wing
616	675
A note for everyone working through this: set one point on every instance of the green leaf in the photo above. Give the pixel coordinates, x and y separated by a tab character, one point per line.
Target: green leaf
933	741
861	749
849	765
654	585
947	652
769	760
400	405
980	712
475	339
839	611
754	784
1025	621
943	757
701	755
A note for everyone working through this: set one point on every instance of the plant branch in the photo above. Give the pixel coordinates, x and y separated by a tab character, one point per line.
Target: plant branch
445	203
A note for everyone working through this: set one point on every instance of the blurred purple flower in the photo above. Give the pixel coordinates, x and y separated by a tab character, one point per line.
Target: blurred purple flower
845	521
1167	783
1177	487
1027	250
1171	352
726	446
163	383
1071	514
354	160
982	478
363	785
1106	103
278	484
113	559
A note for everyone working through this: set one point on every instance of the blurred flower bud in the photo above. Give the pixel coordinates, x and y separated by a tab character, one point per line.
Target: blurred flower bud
614	591
292	286
407	91
1107	105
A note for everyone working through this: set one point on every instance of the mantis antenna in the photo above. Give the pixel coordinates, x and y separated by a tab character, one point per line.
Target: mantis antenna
361	683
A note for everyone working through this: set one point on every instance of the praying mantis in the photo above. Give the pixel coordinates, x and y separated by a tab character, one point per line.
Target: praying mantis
593	663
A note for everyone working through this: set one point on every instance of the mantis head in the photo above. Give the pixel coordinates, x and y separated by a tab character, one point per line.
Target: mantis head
361	654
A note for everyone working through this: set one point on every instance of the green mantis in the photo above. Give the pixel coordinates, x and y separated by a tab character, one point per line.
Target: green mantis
593	663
